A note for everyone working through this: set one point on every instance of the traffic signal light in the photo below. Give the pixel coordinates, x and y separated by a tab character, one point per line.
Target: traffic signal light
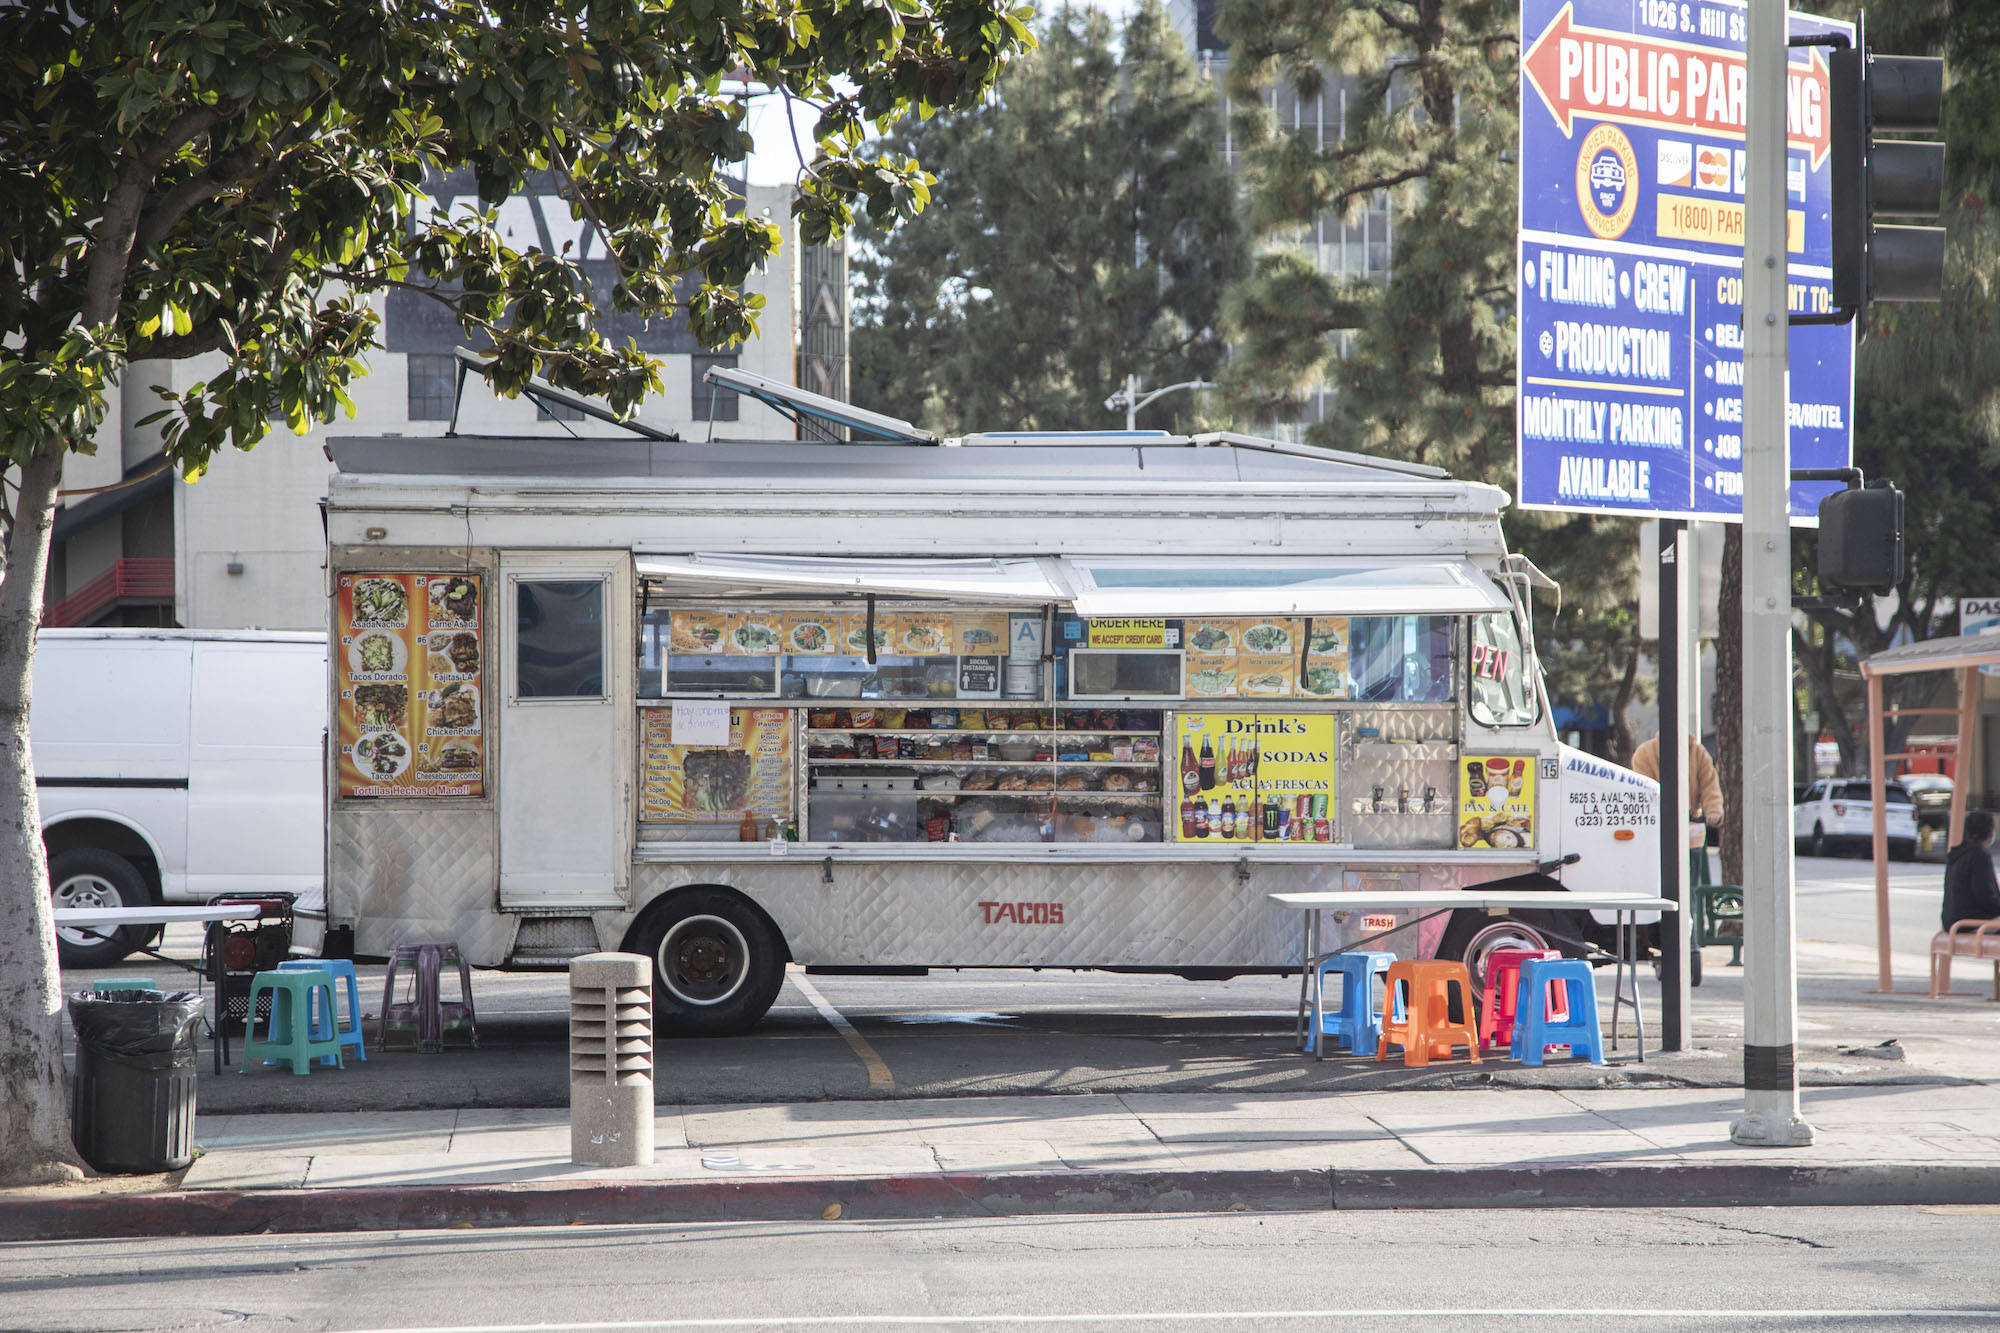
1861	538
1874	178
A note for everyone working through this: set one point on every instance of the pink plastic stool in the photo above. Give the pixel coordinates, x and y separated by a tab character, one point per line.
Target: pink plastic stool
425	1012
1501	1000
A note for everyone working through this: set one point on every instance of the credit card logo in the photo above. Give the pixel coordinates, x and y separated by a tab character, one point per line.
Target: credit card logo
1711	169
1676	162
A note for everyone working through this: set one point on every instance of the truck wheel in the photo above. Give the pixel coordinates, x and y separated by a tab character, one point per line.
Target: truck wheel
1472	937
718	963
89	877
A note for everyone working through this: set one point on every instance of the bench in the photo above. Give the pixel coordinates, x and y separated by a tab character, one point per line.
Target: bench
1971	938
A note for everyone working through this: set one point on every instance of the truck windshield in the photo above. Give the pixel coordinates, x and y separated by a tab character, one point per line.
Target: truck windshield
1500	693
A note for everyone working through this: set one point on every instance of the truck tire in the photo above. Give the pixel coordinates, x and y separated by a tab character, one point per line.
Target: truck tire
1471	937
90	877
718	962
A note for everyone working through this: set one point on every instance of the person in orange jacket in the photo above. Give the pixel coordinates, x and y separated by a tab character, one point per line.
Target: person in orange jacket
1704	786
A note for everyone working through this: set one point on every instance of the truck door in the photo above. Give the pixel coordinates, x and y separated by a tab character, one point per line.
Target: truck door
565	735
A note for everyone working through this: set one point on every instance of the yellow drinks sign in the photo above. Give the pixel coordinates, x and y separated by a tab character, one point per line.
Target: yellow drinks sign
1255	777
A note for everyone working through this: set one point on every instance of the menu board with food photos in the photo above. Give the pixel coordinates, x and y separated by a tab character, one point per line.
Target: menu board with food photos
750	775
410	664
1496	801
1267	657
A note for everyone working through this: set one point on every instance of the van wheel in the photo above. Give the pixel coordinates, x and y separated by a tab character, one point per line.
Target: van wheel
718	963
1472	938
90	877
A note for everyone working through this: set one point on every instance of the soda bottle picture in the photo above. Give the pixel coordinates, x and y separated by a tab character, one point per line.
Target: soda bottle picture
1187	818
1190	772
1201	819
1207	765
1228	817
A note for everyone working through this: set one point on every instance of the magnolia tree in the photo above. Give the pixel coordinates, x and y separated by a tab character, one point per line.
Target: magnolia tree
185	177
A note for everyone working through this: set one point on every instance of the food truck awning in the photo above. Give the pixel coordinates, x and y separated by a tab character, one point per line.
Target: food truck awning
1022	579
1110	586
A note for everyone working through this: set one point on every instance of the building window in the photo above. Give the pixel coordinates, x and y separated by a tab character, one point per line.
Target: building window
433	385
712	402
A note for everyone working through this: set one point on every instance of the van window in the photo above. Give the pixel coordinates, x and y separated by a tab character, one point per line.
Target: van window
1497	669
559	639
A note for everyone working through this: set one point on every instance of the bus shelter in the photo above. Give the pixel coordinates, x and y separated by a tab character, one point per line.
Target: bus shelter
1962	654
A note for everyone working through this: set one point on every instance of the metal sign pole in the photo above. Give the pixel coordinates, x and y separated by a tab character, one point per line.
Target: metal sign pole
1770	983
1674	690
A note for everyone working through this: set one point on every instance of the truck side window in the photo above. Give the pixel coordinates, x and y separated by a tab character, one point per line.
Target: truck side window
559	639
1501	693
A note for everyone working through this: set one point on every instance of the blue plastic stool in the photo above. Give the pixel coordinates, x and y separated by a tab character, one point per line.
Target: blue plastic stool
106	984
288	1037
1360	1016
348	1033
1534	1031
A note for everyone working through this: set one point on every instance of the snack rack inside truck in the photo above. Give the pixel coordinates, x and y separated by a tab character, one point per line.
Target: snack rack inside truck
1000	701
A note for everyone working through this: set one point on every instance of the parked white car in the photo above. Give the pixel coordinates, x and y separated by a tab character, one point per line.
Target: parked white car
1840	812
174	765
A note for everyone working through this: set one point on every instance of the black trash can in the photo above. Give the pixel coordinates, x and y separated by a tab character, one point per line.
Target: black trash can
132	1106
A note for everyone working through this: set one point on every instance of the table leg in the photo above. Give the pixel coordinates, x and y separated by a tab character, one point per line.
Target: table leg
1305	974
1638	1010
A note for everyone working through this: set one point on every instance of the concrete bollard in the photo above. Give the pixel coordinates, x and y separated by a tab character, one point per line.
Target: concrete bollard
611	1060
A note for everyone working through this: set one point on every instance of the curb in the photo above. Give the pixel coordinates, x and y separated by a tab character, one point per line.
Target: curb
995	1194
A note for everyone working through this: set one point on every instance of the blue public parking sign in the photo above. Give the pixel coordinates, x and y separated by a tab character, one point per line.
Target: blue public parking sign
1630	367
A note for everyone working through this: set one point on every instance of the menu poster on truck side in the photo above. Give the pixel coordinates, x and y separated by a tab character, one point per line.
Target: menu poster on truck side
1238	657
410	664
750	775
1496	801
1254	777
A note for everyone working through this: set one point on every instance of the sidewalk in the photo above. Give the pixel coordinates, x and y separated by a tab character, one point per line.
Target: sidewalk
1877	1144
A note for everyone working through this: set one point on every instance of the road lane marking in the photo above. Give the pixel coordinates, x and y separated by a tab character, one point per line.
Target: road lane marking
879	1078
1566	1313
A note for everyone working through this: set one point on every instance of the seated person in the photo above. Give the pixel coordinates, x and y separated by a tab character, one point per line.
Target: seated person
1970	891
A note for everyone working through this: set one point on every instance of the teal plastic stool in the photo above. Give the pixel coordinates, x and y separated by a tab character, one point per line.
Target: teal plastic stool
1359	1019
104	984
346	1031
288	1038
1535	1031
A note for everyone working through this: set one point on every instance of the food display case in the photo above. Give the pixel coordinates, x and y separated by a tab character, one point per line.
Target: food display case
997	774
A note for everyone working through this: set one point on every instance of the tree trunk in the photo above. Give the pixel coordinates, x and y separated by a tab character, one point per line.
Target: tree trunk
1729	701
35	1145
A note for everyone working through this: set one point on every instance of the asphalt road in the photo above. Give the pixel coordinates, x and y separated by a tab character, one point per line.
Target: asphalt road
991	1032
1600	1270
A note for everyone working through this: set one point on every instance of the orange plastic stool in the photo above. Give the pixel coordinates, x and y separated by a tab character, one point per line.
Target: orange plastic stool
1501	997
1426	1028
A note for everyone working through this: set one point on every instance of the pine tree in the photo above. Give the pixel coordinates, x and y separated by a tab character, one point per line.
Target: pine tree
1082	228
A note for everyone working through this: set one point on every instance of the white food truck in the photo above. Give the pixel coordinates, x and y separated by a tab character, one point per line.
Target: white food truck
1049	701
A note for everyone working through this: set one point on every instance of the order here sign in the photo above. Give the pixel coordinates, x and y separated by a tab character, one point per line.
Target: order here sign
1630	361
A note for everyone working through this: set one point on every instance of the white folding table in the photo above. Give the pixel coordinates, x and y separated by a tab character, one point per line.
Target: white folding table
85	918
1494	901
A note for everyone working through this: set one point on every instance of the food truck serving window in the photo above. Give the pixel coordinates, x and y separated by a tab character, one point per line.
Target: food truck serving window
1500	692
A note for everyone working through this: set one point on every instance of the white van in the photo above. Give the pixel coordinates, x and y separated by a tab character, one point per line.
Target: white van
174	765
